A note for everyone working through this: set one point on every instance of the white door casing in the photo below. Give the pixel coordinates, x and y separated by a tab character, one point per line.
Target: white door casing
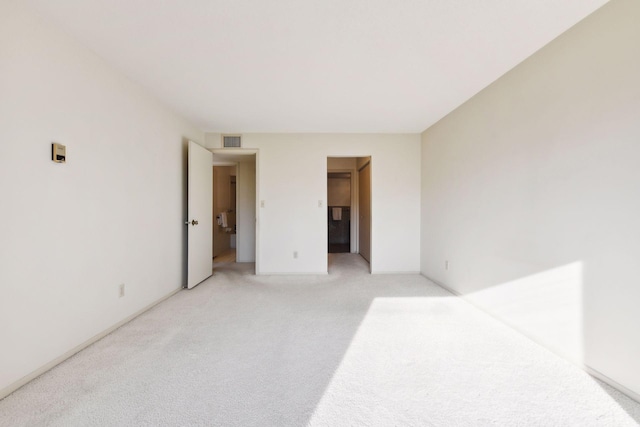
200	211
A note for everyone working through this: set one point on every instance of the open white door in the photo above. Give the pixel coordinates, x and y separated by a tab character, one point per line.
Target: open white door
200	221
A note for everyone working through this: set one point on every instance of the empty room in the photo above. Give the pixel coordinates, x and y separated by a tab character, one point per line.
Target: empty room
319	213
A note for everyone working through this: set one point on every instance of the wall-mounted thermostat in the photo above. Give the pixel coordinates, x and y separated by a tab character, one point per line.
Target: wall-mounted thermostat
58	152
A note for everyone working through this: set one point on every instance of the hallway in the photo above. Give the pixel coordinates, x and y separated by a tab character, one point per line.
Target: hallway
348	348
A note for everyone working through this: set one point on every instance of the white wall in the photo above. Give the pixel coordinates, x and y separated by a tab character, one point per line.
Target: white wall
247	210
292	176
530	191
71	233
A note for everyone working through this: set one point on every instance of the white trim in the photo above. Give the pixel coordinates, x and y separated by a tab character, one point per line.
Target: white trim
238	230
605	379
35	374
445	287
588	369
235	165
371	215
258	212
413	273
237	151
306	273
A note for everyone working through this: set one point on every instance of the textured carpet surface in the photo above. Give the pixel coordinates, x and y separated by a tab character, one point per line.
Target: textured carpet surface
347	349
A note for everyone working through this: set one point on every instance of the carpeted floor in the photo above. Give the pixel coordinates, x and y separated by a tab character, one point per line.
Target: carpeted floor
347	349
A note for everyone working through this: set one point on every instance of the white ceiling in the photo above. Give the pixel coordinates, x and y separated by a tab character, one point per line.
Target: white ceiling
314	65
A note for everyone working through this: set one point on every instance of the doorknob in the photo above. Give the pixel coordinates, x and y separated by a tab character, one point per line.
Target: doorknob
193	222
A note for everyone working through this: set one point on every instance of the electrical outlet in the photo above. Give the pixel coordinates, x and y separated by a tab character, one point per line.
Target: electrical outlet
262	203
446	265
295	254
319	203
121	290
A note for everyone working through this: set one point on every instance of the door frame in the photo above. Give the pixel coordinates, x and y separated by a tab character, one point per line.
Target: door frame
354	218
216	164
355	173
244	152
368	163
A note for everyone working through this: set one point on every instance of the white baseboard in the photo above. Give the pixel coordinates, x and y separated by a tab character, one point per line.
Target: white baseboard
445	287
324	273
413	273
605	379
305	273
35	374
591	371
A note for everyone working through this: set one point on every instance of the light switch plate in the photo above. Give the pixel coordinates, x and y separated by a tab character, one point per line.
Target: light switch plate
58	152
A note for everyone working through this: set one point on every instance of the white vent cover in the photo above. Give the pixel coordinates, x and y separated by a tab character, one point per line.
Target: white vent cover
231	141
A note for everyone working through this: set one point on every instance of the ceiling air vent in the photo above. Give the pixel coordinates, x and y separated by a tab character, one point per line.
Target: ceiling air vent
231	141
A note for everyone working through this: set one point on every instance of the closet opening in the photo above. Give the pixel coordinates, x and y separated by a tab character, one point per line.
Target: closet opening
339	212
349	206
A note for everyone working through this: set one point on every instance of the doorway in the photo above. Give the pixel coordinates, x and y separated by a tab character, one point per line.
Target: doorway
364	203
234	199
224	213
339	212
349	206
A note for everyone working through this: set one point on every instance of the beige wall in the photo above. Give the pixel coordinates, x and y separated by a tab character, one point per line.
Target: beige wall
530	193
71	233
292	182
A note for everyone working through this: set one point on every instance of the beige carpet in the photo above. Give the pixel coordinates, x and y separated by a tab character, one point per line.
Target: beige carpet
347	349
